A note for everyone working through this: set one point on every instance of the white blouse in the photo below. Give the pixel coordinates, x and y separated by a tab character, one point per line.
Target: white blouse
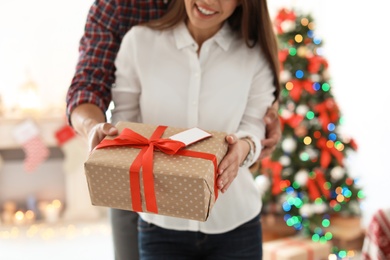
161	80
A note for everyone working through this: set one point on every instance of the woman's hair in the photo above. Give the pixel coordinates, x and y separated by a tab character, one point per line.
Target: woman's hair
250	19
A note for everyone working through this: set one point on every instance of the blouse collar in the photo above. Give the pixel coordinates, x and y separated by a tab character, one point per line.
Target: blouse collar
184	39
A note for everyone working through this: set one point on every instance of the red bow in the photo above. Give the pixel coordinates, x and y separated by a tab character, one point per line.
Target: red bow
282	55
283	15
317	184
145	160
292	121
328	112
327	152
298	86
276	171
315	63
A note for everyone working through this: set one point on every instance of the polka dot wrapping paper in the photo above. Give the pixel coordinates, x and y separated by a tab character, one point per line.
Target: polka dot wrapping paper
182	184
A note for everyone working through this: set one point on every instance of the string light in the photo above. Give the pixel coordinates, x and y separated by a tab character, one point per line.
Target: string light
325	87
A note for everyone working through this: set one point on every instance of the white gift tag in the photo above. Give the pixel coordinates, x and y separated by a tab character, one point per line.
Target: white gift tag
190	136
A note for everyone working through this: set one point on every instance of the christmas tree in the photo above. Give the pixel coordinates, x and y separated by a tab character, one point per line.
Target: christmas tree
306	178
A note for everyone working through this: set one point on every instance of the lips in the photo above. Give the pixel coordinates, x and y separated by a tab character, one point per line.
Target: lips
205	11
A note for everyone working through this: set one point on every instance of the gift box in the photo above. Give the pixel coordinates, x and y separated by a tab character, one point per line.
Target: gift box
143	170
348	232
274	227
296	248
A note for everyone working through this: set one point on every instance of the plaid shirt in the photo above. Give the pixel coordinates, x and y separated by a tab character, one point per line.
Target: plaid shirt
107	23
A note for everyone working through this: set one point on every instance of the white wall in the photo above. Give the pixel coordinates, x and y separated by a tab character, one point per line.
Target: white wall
39	38
42	36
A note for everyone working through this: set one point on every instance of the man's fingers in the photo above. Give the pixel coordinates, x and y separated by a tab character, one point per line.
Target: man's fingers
269	142
271	115
109	129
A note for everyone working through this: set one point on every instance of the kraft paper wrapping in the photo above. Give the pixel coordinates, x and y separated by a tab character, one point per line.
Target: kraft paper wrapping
296	248
184	186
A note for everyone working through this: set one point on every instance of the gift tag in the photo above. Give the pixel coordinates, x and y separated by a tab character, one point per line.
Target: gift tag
190	136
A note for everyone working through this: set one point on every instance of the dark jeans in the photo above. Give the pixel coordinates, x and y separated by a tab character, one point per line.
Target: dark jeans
124	233
242	243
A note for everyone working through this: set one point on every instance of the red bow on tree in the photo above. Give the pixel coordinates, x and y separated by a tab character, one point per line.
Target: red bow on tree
275	169
328	112
283	15
315	63
299	86
292	121
327	152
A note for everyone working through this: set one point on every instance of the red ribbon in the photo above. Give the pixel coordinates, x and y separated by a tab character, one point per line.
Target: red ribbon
145	160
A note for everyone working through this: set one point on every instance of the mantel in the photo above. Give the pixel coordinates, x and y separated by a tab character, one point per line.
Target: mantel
46	125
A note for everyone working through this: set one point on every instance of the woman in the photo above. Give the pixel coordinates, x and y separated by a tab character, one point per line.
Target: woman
211	64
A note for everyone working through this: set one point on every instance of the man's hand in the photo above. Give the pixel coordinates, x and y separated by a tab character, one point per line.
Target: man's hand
273	132
98	132
89	121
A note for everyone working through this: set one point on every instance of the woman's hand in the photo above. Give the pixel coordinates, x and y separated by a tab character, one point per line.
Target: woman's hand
228	168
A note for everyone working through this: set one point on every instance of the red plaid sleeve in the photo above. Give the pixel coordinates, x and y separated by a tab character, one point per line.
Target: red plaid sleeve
107	22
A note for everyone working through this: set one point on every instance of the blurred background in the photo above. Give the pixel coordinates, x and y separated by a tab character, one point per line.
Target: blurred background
44	200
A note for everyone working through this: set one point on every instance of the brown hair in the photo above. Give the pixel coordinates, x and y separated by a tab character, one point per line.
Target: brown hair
250	19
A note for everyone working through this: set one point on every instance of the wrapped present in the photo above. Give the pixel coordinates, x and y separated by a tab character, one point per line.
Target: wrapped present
347	231
144	170
296	248
274	227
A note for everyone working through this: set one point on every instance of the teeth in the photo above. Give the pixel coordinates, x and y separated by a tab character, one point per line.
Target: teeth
204	11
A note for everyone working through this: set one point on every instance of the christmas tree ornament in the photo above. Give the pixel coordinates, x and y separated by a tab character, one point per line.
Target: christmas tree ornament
285	76
337	173
27	134
289	145
300	131
306	210
288	26
319	208
315	77
301	177
302	109
285	160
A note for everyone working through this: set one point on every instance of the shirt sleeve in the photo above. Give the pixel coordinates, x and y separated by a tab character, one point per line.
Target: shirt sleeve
261	96
127	89
95	68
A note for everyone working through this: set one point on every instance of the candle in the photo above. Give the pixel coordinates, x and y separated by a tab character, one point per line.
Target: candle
29	216
51	211
9	209
19	218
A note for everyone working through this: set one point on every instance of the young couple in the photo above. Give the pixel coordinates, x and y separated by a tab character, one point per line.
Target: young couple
206	63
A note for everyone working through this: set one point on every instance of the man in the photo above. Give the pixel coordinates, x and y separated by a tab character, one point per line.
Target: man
89	95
